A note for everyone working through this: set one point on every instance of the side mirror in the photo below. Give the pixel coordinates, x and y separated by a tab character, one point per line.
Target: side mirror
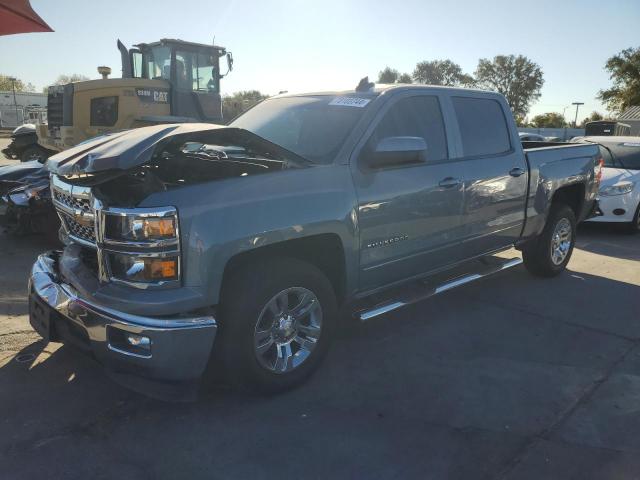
230	61
392	151
229	65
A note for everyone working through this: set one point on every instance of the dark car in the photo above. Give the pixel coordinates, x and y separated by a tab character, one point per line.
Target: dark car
25	200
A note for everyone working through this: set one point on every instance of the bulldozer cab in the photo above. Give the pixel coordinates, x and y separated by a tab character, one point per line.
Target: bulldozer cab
168	81
192	71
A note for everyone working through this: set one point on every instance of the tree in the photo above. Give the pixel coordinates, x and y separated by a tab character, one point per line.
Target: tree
74	77
405	78
516	77
441	72
594	117
233	105
388	75
391	75
20	86
548	120
624	70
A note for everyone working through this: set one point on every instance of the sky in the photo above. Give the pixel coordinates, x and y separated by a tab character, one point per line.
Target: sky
325	45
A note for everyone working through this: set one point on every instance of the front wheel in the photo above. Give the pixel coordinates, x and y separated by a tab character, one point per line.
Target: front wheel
277	320
634	225
549	254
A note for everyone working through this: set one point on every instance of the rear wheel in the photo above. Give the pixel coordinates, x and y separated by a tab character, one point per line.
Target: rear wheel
549	254
277	320
34	153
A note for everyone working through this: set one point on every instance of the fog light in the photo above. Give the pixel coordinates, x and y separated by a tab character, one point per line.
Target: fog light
138	340
128	343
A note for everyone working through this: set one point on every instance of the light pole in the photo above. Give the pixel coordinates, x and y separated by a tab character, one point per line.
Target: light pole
15	102
564	121
577	104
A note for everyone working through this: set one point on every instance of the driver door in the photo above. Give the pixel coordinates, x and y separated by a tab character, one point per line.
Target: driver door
409	216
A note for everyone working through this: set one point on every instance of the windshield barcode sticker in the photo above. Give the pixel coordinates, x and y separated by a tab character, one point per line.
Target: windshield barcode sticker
631	144
349	101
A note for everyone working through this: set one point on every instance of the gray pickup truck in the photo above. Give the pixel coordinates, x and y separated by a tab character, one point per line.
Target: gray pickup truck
234	247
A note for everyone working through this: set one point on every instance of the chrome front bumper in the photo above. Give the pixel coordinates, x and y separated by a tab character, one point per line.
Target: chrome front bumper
177	349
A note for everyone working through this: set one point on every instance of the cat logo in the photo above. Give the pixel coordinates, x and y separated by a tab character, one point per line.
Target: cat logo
153	95
160	96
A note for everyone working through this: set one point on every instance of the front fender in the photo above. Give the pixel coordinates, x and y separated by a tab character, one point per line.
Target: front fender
225	218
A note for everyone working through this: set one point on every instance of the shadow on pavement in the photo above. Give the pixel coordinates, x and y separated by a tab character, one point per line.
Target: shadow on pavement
608	239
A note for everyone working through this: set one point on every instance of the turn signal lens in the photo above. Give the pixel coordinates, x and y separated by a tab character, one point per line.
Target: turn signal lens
159	269
155	227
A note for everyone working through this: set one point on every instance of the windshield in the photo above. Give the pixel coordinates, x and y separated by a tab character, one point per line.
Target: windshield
628	153
313	127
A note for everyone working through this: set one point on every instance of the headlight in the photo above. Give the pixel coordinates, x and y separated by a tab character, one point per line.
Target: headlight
146	226
141	245
617	189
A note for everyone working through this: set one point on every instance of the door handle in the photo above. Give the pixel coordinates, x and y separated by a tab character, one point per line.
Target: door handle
450	182
516	172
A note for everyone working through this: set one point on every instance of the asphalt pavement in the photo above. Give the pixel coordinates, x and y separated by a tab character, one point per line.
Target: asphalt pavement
513	377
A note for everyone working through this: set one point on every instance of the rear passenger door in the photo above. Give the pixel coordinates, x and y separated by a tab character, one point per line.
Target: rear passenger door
409	215
495	173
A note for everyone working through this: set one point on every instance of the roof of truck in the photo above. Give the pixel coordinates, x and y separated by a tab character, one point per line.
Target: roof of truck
380	88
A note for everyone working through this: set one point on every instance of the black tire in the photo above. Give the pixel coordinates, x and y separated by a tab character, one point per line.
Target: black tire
33	153
245	296
634	225
537	255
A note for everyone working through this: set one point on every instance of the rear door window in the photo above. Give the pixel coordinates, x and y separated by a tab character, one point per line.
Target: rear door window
482	125
415	117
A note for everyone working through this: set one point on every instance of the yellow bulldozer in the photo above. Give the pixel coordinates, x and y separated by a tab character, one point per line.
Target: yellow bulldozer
167	81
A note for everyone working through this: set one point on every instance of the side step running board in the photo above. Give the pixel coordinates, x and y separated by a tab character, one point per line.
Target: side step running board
430	291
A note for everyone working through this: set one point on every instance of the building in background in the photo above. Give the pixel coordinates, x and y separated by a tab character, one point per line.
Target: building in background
631	117
28	107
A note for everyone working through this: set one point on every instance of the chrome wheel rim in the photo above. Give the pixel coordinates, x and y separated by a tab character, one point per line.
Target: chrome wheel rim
288	330
561	241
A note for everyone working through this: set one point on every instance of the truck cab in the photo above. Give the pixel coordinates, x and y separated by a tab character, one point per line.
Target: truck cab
168	81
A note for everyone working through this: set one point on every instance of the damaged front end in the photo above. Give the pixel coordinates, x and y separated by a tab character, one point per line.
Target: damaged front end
97	188
118	286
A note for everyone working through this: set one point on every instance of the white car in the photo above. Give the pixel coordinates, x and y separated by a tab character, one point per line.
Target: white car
620	185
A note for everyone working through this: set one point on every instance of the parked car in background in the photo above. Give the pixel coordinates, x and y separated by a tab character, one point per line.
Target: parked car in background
620	187
239	252
25	200
531	137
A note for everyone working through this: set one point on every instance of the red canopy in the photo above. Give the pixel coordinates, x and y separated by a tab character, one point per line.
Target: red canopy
17	16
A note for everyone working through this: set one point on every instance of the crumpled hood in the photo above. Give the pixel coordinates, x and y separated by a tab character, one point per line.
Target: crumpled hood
116	151
131	148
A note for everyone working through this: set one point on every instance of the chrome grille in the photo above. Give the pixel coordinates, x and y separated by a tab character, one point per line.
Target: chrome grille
77	230
70	201
74	206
